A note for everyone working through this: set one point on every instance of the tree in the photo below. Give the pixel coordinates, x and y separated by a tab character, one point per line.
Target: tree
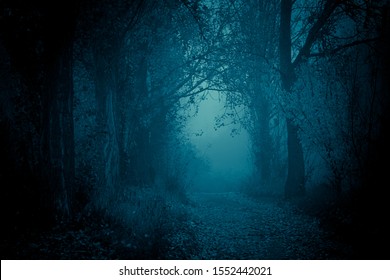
247	49
329	29
38	40
261	44
317	28
137	67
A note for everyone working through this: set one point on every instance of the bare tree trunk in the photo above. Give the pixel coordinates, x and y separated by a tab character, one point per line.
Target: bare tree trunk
39	44
106	125
296	170
57	146
295	183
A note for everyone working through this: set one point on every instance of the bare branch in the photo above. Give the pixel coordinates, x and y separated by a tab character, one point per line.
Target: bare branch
342	47
195	16
329	7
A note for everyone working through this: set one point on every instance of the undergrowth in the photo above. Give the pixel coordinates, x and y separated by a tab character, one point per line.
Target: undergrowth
139	225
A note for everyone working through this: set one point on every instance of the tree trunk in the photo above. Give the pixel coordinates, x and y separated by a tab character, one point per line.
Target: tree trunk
144	155
296	170
295	183
106	124
39	44
57	134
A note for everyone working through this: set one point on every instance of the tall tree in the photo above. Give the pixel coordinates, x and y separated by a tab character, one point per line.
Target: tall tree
321	34
105	32
38	39
288	66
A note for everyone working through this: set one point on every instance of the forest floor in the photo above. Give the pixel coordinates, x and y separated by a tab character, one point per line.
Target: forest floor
207	226
233	226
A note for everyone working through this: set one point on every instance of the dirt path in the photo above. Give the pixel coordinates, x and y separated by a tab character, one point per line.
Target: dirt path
232	226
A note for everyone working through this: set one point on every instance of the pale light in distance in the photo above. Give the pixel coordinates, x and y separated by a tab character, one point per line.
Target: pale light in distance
228	156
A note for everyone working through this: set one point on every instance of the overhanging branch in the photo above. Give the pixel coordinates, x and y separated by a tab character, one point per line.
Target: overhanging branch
342	47
304	52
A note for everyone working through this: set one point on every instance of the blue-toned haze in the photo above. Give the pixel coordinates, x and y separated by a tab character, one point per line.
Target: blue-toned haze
228	155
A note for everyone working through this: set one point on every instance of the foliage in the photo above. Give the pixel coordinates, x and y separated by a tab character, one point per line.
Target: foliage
94	104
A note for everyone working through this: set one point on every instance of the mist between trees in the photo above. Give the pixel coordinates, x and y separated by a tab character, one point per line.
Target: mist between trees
113	113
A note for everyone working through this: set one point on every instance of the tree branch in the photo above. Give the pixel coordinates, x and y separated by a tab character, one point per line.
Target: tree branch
195	16
339	48
304	52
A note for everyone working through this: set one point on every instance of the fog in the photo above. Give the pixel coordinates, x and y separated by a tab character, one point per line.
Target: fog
194	129
225	149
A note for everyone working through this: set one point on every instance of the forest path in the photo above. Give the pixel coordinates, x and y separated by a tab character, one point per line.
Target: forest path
233	226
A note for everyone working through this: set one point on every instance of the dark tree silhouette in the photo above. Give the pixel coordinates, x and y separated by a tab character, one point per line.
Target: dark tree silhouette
38	41
98	159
